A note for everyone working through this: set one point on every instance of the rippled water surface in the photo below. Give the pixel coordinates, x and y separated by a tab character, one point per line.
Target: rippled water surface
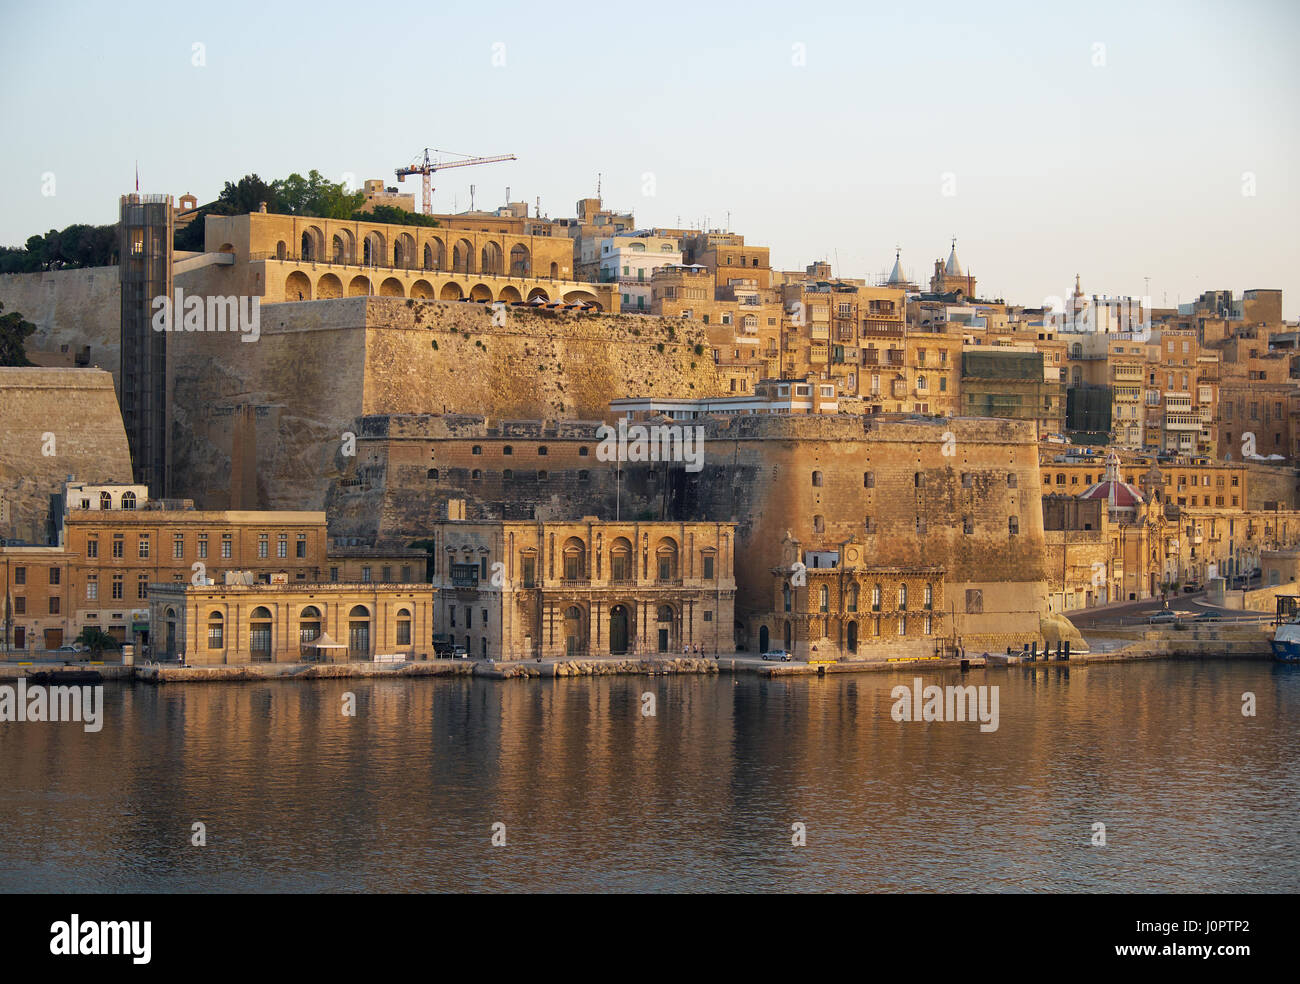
594	795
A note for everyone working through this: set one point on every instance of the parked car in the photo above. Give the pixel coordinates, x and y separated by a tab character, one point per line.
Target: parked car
1162	617
69	650
460	652
779	655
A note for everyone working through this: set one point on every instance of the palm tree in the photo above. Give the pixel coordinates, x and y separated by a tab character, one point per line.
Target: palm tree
96	640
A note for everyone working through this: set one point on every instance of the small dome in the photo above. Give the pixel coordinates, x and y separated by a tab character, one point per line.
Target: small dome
953	268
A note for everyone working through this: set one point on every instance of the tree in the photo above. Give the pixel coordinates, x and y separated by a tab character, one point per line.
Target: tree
96	640
393	215
14	330
315	196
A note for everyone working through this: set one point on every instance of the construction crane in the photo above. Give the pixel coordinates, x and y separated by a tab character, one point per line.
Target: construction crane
426	167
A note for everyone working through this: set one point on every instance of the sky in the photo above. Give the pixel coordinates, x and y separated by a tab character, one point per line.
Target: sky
1116	141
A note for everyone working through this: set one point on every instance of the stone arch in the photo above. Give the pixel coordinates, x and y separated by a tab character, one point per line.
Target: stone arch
537	292
435	254
622	561
480	292
763	638
359	286
509	295
404	250
422	289
313	243
451	291
373	252
261	646
620	629
462	257
344	247
492	259
329	286
392	287
667	567
521	261
297	287
574	555
580	297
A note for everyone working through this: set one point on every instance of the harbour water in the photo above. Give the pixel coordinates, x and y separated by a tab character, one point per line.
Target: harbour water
595	794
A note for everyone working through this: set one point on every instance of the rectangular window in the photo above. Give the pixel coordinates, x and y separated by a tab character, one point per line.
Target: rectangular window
203	546
118	591
708	568
365	574
708	616
54	575
216	635
302	545
92	587
20	575
334	575
282	545
227	546
92	547
403	632
119	545
54	605
20	605
144	546
406	573
263	547
386	574
178	546
469	617
142	587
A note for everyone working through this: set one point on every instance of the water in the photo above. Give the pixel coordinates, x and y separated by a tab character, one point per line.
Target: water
297	797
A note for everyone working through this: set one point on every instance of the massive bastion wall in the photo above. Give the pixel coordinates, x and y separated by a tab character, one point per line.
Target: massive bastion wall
908	490
262	424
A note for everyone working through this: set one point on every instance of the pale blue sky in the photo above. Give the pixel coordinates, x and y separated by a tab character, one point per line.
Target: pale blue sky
1118	172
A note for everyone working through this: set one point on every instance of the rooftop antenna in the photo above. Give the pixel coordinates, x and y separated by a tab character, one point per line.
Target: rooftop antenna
597	185
472	189
507	194
537	206
728	220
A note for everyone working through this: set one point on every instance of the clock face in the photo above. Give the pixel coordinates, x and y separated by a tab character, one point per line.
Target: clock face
851	554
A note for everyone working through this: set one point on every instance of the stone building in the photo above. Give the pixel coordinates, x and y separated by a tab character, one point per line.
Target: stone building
225	624
836	604
519	590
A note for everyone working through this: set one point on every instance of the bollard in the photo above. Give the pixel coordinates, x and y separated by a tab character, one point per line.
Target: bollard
1067	650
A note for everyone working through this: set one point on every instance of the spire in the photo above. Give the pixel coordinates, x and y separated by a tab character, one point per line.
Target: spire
896	278
953	269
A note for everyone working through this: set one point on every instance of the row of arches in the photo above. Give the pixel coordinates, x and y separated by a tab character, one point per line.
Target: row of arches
298	286
621	629
309	621
405	253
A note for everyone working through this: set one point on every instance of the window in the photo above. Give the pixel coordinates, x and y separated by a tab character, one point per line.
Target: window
404	627
824	598
178	546
128	500
118	593
967	480
262	546
203	545
918	480
929	596
1013	525
54	575
476	449
1011	480
92	587
142	587
902	597
227	545
819	524
119	545
216	631
282	545
785	596
967	525
542	450
92	547
875	597
868	480
902	625
817	479
386	574
365	574
54	605
20	605
708	568
301	545
708	616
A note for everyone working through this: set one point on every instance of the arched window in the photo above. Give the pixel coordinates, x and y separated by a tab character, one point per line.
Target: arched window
817	479
824	598
359	633
259	634
403	627
309	624
902	597
216	630
929	595
508	449
621	567
105	501
433	474
128	499
785	596
875	597
853	597
920	382
666	559
575	559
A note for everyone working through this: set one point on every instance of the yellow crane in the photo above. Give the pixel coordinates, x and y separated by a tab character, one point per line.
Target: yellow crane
426	167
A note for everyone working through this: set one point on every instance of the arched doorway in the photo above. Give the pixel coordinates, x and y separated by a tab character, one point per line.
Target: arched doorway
259	635
574	644
359	633
664	624
619	623
763	639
